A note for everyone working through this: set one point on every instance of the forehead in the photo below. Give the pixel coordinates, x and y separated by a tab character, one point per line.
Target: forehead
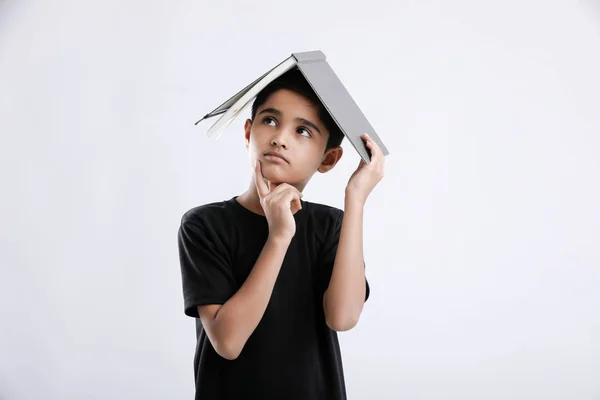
292	104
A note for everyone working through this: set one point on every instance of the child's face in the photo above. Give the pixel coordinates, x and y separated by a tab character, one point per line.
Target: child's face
288	124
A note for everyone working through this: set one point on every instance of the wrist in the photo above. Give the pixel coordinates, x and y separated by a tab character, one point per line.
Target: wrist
282	240
353	200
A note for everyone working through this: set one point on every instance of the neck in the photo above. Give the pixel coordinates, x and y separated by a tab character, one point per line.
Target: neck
250	200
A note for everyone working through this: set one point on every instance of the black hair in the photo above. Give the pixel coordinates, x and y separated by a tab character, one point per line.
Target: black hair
294	80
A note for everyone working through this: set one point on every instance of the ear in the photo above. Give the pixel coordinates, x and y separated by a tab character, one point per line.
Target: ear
247	127
330	158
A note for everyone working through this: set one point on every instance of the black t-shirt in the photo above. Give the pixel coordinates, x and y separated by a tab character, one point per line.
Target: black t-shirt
292	354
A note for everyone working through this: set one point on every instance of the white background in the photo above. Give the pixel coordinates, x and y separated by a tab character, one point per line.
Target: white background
482	242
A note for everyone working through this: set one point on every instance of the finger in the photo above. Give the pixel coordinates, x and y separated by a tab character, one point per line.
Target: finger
259	180
296	205
283	187
367	141
292	200
372	145
286	196
377	158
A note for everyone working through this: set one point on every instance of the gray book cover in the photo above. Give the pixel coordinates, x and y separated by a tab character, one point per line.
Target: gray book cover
328	88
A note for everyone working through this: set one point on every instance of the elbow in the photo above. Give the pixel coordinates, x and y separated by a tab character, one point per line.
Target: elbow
341	318
227	349
342	323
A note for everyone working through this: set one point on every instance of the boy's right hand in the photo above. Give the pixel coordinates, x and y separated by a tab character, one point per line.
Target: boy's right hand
280	203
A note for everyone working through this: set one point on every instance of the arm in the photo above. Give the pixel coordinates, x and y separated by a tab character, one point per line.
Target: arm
229	326
345	296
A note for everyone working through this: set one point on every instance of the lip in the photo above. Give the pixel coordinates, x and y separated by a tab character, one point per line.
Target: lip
273	154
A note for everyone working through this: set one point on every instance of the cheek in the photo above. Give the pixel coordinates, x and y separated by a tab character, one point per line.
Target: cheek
251	140
312	160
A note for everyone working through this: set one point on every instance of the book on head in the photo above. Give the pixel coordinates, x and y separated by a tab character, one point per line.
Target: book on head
327	86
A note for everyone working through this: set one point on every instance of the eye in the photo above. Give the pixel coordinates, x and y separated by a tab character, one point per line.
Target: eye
268	120
306	132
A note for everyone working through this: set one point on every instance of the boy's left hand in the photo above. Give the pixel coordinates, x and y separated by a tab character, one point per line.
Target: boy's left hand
366	176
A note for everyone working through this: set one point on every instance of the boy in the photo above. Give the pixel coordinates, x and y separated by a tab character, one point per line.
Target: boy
272	278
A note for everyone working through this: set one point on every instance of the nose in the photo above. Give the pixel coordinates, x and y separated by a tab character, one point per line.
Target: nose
280	139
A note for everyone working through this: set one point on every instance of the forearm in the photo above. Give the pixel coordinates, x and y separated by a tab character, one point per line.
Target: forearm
240	315
344	299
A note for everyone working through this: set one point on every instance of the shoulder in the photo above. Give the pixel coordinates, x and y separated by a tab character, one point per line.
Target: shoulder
207	214
324	216
324	210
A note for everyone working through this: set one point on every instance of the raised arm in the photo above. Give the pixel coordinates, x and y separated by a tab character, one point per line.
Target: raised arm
344	298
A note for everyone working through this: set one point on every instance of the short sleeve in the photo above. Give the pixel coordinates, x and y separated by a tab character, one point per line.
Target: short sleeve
329	251
206	271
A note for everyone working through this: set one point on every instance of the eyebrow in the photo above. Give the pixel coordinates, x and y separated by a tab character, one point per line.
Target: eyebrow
301	120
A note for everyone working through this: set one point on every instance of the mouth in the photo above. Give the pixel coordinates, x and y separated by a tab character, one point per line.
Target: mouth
275	157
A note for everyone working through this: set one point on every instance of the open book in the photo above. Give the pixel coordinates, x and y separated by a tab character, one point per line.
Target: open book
325	83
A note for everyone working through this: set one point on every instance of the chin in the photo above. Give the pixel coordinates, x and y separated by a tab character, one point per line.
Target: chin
275	175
